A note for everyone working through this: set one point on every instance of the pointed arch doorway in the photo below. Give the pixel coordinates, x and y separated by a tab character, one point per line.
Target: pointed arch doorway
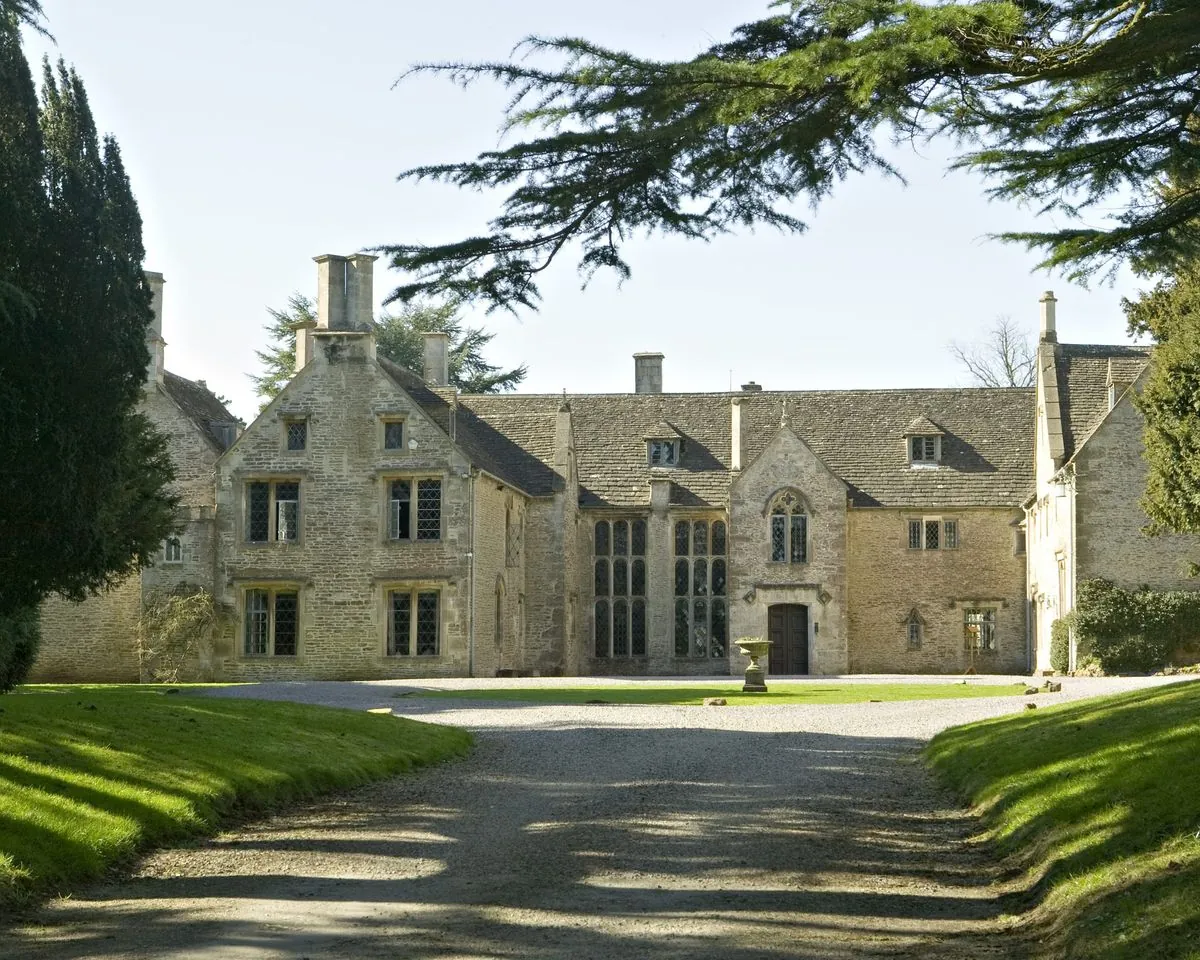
787	629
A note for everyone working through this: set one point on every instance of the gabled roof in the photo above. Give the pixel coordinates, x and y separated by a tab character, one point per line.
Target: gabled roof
518	451
987	446
662	431
922	426
200	405
1083	377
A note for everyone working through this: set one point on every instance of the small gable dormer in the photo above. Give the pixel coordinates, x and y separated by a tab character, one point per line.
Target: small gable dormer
664	445
923	442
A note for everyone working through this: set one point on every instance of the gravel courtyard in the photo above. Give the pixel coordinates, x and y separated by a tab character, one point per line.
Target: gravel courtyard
587	832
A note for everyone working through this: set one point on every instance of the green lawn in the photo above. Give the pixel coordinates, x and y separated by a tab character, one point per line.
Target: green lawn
91	775
778	693
1099	803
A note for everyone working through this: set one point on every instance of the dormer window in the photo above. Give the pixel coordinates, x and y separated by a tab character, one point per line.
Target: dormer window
924	449
664	453
923	442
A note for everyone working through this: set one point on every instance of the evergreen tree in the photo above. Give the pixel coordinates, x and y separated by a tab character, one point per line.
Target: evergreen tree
1170	400
1077	106
83	474
398	338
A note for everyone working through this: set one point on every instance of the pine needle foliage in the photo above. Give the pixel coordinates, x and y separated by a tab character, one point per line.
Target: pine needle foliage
1079	107
399	339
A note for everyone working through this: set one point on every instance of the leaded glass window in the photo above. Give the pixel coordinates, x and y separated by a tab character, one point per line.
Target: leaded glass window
664	453
914	628
273	511
932	533
297	434
429	509
272	623
788	528
701	607
414	623
172	550
619	582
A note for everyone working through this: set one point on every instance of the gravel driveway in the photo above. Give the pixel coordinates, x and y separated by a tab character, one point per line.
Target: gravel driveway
586	832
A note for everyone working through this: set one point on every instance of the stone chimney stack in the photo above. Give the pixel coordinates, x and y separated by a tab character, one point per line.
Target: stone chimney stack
647	372
437	359
304	342
154	338
345	295
1049	334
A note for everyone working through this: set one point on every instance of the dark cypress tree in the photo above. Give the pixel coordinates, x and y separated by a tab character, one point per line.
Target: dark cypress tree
83	474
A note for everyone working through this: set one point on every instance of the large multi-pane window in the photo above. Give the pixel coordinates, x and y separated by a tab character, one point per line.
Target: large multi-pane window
272	622
701	607
620	588
273	511
789	529
422	523
413	623
979	629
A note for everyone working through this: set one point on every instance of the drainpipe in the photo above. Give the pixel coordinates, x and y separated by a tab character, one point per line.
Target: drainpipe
471	479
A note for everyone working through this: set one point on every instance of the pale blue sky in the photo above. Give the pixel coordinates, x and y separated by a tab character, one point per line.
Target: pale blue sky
261	133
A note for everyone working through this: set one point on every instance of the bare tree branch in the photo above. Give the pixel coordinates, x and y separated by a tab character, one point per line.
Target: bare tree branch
1007	357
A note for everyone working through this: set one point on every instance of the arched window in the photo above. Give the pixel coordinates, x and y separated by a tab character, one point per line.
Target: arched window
789	529
914	628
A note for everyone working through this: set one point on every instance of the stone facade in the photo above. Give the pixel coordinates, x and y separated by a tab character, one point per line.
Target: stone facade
373	523
1084	520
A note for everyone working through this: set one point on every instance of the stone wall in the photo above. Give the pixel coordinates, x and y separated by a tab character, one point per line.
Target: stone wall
343	563
1110	537
499	576
756	583
887	581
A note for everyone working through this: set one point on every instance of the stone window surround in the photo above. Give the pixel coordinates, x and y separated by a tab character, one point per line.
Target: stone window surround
172	558
669	450
691	518
386	478
945	526
412	587
914	625
629	599
803	508
984	608
243	482
273	587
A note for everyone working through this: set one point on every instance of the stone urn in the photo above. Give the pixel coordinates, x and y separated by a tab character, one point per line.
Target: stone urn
754	647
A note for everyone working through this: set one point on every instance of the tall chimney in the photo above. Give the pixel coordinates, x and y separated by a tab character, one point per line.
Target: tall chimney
437	359
331	292
360	294
1049	335
154	337
304	342
735	433
647	372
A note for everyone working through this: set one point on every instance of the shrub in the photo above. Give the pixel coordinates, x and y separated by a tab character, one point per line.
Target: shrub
1134	630
1060	644
175	631
19	636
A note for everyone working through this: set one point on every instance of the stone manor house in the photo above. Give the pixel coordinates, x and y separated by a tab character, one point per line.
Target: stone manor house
371	523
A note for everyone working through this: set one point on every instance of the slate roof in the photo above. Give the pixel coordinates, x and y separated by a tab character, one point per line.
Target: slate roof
1083	370
987	446
200	405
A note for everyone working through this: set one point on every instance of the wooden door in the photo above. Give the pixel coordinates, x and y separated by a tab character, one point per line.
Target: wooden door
788	632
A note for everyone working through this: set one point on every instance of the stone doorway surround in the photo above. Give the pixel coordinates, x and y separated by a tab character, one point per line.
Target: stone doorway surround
788	630
749	617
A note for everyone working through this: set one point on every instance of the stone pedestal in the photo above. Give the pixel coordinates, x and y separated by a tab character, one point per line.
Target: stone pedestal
754	647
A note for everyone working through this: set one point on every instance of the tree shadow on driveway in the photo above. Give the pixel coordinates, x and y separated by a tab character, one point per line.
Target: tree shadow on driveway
576	841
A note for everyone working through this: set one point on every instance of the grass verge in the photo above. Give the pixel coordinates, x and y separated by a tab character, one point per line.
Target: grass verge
779	693
91	776
1099	804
